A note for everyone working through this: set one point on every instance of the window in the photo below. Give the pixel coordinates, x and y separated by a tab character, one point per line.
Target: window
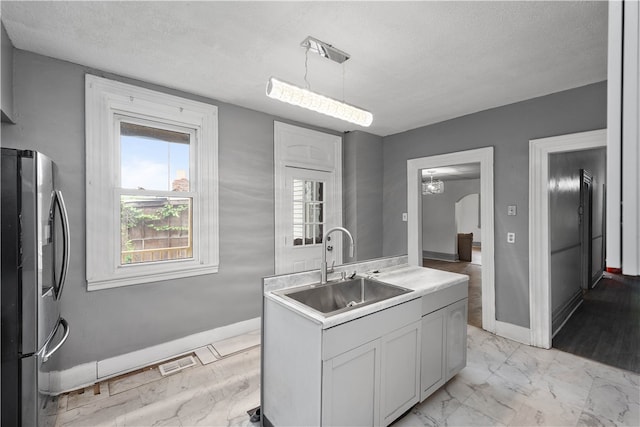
308	212
152	209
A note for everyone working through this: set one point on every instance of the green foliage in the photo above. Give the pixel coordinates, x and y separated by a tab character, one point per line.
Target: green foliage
131	217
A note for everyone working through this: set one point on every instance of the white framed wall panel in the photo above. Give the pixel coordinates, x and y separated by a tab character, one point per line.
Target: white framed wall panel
614	137
630	140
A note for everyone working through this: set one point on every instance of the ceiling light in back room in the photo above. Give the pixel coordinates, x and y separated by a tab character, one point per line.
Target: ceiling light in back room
432	186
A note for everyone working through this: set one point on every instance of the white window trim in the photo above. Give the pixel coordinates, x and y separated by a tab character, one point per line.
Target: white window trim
105	100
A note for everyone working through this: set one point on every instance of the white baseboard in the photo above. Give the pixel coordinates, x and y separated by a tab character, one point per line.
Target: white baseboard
513	332
89	373
568	317
76	377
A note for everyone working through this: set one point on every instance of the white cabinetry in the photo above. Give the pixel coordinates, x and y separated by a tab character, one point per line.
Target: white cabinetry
368	373
444	337
350	385
433	345
375	383
400	372
379	380
456	333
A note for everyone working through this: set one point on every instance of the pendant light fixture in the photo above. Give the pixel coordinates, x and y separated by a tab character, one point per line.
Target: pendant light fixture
431	186
305	98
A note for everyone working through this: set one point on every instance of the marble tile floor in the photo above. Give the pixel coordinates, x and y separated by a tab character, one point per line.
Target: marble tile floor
215	394
504	383
510	384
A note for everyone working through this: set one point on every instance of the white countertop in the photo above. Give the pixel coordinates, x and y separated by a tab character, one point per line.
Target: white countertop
420	279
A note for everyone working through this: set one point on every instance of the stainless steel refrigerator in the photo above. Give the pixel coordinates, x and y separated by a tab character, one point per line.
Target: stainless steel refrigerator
35	260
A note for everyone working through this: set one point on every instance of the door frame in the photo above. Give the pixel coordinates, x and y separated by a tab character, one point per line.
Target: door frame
484	156
539	252
303	148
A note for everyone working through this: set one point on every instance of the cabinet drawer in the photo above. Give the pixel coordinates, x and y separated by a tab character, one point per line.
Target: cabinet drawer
357	332
436	300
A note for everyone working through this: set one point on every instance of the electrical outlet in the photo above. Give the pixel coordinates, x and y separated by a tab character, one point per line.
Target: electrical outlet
511	210
511	237
404	216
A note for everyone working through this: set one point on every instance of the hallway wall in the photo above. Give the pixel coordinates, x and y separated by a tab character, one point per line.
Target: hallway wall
564	242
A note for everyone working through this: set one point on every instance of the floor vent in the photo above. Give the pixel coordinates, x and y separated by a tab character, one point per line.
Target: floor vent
176	365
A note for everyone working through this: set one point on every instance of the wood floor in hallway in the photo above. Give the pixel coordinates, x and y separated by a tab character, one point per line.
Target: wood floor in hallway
472	269
606	327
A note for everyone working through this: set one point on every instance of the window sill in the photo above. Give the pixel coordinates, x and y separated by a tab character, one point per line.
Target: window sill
100	284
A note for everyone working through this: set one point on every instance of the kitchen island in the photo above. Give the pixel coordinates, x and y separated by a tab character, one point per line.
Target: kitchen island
368	364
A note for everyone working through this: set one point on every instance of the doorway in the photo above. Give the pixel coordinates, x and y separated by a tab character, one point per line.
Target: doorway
540	248
483	156
308	197
451	227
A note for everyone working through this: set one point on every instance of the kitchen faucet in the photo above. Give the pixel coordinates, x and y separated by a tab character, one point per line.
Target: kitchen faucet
323	265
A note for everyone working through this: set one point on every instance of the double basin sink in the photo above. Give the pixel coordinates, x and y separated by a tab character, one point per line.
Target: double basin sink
343	295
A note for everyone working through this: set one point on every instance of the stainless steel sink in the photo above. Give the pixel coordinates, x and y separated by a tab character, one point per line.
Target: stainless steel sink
337	297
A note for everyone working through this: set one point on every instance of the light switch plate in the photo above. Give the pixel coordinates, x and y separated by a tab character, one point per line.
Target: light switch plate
404	216
511	237
511	210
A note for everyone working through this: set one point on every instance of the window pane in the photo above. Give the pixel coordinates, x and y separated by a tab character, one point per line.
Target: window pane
319	234
308	212
155	229
319	192
314	213
153	159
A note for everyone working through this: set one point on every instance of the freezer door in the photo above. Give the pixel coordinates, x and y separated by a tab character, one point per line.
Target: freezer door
52	244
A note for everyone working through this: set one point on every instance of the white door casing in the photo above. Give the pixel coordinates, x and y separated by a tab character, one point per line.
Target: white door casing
414	225
539	252
306	154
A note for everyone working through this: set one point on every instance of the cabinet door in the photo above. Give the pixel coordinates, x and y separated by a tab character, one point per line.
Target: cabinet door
400	371
350	386
456	331
433	360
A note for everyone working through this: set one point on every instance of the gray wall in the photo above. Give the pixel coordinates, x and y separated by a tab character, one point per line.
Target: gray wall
6	90
468	217
508	129
49	112
564	200
362	183
439	230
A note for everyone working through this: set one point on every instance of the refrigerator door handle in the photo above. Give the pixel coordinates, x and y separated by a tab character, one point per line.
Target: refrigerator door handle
44	352
65	244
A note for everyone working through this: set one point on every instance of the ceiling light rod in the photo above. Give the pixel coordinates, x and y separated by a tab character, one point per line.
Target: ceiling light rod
324	49
294	95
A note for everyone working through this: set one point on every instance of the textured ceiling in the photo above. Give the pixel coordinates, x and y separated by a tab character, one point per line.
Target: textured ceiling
412	63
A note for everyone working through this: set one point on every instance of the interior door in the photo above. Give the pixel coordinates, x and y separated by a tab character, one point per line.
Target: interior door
307	210
586	233
308	197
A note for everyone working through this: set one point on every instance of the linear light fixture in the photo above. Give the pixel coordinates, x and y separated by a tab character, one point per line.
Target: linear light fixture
294	95
305	98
